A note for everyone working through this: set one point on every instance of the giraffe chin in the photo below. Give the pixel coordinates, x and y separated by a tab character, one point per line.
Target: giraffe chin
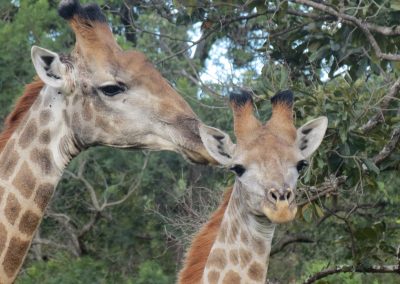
283	213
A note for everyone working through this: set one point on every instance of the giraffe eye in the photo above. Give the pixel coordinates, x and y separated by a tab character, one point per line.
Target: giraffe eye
238	169
301	165
112	90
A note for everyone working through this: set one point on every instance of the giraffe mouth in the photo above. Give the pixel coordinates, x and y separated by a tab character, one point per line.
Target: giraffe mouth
198	157
281	212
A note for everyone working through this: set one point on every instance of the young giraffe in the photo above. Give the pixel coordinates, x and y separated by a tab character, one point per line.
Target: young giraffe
98	95
234	246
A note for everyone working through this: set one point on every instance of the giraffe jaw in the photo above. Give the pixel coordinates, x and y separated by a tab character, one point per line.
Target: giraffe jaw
282	213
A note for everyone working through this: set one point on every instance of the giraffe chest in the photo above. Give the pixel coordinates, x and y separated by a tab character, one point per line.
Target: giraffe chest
236	263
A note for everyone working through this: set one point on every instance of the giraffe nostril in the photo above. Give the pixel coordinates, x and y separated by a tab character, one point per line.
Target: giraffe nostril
274	196
288	194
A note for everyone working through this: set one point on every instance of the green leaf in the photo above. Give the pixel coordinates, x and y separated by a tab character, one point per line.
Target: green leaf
319	211
307	213
319	53
371	165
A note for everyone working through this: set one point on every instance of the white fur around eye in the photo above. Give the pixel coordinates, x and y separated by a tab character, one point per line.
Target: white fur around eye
291	177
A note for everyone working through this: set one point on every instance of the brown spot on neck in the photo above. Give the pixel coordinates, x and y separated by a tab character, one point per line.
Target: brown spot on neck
45	137
244	237
256	272
1	193
9	159
44	117
29	222
12	208
43	195
234	256
245	257
231	277
28	135
234	231
3	237
25	181
44	159
259	245
14	256
213	277
217	258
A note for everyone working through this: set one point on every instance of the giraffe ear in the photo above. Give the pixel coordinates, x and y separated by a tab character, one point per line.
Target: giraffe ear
218	144
310	135
48	66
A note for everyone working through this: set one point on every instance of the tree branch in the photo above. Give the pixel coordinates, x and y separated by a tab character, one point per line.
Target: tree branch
88	185
348	268
362	25
327	187
389	147
287	240
221	24
378	118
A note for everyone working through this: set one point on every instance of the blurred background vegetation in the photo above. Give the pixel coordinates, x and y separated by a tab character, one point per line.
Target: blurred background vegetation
127	217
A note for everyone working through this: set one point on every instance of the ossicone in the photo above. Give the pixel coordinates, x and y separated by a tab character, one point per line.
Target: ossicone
283	97
240	98
69	8
244	121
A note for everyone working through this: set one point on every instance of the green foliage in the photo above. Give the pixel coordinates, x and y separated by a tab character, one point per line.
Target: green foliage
69	270
151	273
329	64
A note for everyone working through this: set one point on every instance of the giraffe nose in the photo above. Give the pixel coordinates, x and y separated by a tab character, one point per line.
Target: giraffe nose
276	195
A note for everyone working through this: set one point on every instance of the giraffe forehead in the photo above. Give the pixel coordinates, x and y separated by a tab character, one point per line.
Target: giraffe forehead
267	151
130	68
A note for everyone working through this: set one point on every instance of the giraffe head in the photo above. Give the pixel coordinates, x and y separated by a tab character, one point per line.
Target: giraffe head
115	97
267	158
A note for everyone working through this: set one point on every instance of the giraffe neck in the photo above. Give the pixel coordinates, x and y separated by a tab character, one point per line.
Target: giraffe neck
31	165
240	253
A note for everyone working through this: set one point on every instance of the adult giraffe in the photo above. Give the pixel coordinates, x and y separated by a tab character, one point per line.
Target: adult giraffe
97	95
233	246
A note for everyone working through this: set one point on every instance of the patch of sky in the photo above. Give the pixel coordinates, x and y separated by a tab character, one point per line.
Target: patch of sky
219	68
53	34
15	3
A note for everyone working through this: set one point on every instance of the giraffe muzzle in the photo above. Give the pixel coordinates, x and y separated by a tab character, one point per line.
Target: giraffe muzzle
276	195
280	206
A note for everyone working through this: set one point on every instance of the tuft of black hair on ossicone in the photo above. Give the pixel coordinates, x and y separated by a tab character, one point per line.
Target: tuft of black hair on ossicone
93	12
69	8
240	98
283	97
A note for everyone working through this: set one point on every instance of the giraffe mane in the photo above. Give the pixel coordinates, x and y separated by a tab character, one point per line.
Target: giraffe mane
22	106
199	251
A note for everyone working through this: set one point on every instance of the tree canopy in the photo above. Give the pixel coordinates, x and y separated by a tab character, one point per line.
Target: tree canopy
128	217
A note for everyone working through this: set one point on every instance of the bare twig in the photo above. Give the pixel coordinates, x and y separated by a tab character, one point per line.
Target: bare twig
348	268
328	187
47	242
